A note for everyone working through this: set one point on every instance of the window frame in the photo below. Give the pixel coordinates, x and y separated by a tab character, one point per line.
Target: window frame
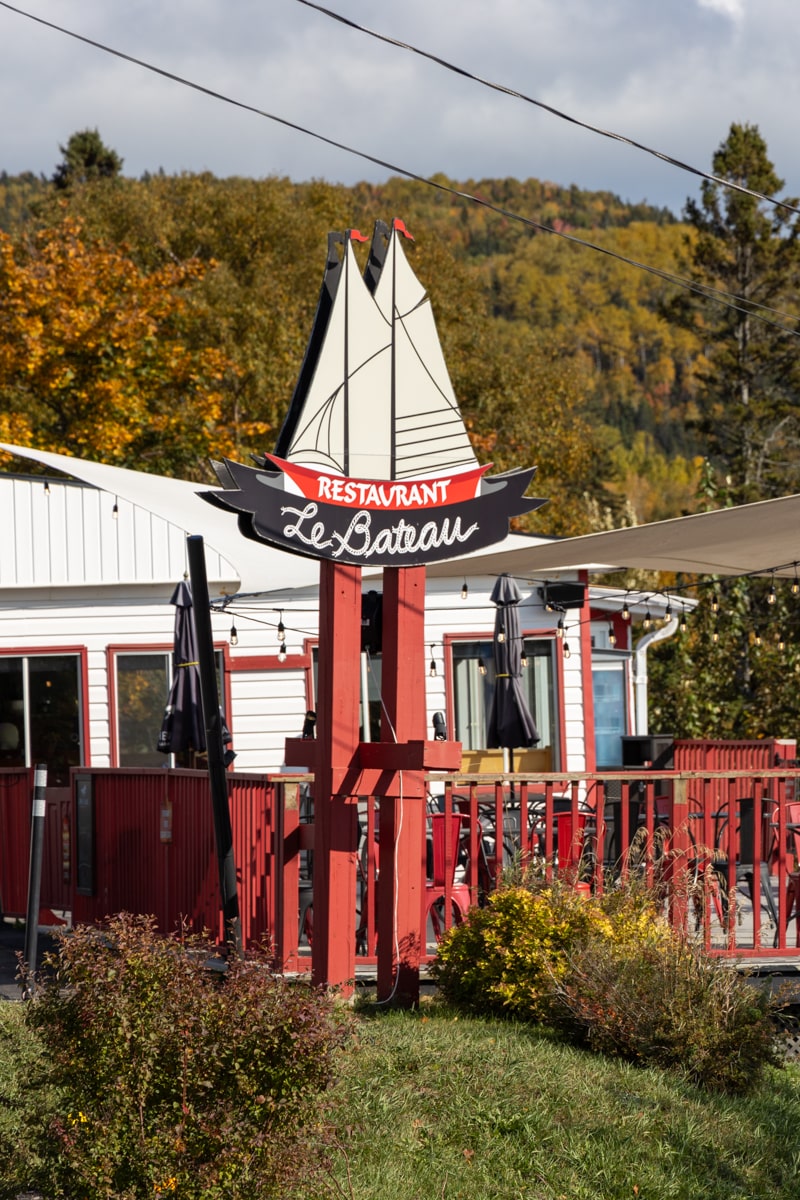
154	648
66	651
559	749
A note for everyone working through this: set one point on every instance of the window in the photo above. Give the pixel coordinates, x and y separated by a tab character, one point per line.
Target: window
472	691
40	714
609	691
143	682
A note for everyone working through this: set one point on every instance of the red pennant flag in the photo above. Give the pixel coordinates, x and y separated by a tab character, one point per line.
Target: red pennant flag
357	236
400	227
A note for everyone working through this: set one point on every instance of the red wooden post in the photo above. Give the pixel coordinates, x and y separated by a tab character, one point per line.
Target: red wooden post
401	882
336	749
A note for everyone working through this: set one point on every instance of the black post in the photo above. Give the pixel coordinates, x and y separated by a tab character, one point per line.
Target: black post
212	719
34	880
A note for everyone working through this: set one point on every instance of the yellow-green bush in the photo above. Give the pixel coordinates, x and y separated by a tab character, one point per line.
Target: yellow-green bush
608	973
504	957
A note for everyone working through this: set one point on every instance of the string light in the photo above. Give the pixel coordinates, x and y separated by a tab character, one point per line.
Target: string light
501	635
523	659
626	612
464	590
115	509
281	629
567	651
648	620
481	666
234	638
47	488
667	612
282	652
781	642
772	597
756	637
715	602
795	582
560	628
432	667
683	625
612	637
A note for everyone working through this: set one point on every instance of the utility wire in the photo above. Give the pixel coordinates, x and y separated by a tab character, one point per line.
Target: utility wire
701	289
499	87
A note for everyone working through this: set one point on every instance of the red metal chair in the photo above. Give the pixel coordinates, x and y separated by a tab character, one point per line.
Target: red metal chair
446	840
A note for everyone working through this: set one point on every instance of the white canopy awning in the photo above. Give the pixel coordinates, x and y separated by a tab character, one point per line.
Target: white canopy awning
759	538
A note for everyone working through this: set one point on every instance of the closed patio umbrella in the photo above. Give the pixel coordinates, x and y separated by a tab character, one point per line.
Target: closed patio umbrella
511	724
182	727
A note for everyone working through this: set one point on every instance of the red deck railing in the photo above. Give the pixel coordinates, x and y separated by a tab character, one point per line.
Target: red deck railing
723	845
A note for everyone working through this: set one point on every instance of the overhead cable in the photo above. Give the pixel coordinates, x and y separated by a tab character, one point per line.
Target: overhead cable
508	91
701	289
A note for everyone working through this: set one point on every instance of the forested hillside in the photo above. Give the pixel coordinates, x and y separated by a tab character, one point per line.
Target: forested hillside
162	321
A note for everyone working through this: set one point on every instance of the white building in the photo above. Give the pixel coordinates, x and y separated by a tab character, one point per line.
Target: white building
86	576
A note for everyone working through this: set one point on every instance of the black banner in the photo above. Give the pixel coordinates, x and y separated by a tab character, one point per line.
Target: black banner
386	537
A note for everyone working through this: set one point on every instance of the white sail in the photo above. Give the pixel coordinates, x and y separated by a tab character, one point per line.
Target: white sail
337	430
429	431
380	404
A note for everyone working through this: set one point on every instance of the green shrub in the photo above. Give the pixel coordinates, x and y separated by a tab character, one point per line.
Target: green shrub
607	972
175	1080
668	1005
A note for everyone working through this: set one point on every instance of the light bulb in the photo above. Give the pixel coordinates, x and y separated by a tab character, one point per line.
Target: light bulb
714	602
772	597
464	590
282	652
501	637
481	666
648	620
612	637
567	651
432	667
234	638
626	612
523	659
560	628
115	509
281	629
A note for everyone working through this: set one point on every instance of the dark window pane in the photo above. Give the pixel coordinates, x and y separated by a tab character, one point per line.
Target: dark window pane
55	715
12	714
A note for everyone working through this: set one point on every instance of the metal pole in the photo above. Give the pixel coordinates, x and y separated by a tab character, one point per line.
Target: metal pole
34	879
215	750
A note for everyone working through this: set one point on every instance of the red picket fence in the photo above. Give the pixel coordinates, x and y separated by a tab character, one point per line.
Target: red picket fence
144	843
16	795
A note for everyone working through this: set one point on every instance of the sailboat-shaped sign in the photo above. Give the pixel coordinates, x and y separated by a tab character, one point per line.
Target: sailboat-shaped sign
373	464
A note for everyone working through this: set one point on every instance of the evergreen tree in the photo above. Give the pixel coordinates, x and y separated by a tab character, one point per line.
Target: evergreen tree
86	158
749	392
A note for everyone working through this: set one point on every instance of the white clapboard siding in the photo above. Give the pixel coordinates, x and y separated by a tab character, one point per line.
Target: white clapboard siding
66	534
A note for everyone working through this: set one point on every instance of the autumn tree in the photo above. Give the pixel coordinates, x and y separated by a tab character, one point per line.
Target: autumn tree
749	391
94	359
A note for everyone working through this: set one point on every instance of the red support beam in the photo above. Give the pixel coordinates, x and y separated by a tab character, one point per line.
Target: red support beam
335	814
401	881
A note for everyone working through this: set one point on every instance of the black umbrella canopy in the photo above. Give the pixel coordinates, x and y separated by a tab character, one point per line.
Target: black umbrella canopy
511	724
182	728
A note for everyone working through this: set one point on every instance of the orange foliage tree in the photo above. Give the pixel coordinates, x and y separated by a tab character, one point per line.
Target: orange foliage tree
94	357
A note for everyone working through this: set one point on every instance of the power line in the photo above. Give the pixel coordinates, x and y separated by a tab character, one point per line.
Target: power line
700	289
499	87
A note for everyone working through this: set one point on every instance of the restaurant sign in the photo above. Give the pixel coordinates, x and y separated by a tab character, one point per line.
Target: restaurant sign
373	465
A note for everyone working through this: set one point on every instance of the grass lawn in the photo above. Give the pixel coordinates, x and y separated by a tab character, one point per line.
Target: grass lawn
434	1106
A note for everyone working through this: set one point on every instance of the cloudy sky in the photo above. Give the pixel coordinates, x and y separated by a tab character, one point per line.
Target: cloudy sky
672	74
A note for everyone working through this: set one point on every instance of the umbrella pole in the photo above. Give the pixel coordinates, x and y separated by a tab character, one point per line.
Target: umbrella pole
217	775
